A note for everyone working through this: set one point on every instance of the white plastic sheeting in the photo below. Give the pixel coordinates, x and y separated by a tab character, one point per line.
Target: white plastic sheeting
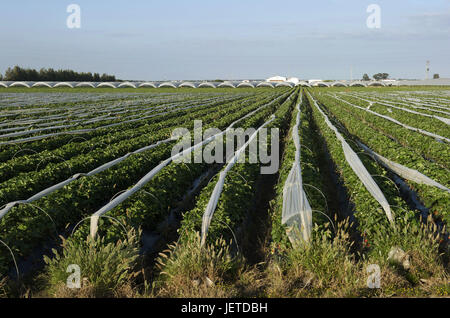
103	167
409	102
214	199
62	184
402	171
444	120
6	208
81	113
421	106
75	123
359	169
105	107
422	103
296	212
85	130
424	132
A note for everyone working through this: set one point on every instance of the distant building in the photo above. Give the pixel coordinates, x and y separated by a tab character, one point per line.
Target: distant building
276	79
293	80
312	81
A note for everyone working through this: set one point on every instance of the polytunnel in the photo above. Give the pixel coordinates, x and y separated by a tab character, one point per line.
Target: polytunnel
264	84
187	84
147	84
245	84
64	84
284	84
226	84
167	84
321	84
338	84
375	83
85	84
206	84
20	84
303	83
2	84
107	84
358	84
42	84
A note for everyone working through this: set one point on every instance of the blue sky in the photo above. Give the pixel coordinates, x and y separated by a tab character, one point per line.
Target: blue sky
246	39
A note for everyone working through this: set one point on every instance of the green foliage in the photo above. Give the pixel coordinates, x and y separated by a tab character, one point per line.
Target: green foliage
195	262
328	257
188	270
104	267
240	185
25	225
377	133
332	265
18	73
310	175
381	76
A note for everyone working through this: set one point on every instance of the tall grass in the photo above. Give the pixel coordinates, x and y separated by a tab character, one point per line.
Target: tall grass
3	287
327	267
420	241
189	270
323	268
107	269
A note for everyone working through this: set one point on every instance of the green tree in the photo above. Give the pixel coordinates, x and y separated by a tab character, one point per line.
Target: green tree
97	77
381	76
18	73
436	76
366	77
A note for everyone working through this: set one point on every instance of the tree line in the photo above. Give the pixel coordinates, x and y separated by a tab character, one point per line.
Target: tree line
378	76
18	73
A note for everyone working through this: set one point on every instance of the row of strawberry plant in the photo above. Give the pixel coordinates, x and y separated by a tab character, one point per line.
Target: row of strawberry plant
378	234
44	133
310	173
86	109
239	189
79	145
74	114
148	207
117	119
210	259
415	120
423	108
10	151
435	199
425	146
26	226
28	183
151	204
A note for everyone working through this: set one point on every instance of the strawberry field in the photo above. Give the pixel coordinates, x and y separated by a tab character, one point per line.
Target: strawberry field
90	178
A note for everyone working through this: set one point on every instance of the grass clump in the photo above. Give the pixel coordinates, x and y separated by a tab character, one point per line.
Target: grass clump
3	287
107	269
323	268
189	270
327	267
423	262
